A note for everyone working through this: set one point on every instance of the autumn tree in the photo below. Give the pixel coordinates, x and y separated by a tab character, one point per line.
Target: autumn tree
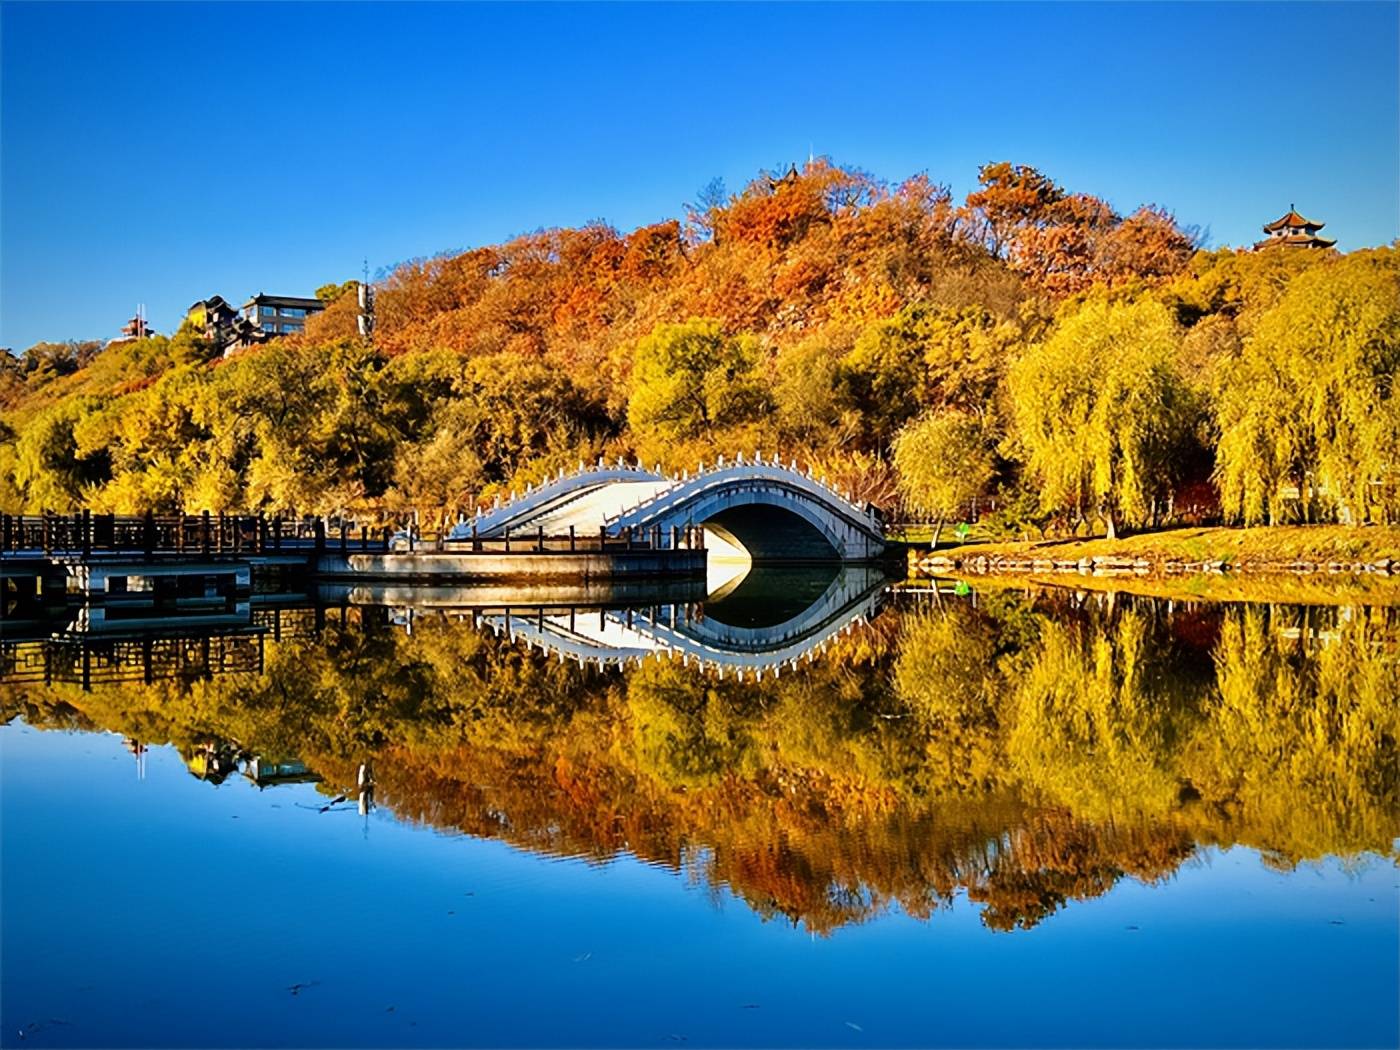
945	461
1310	405
692	379
51	471
1009	198
1102	412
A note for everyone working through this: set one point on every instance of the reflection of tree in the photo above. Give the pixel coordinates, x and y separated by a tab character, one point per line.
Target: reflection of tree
1304	728
1095	718
1052	859
1026	752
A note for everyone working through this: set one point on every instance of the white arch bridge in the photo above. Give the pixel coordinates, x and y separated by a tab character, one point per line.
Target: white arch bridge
768	511
786	622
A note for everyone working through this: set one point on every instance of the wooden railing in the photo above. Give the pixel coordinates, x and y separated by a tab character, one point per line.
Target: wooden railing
84	534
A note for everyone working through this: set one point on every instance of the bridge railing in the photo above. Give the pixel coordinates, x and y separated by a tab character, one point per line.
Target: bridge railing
525	541
565	487
688	488
84	534
556	492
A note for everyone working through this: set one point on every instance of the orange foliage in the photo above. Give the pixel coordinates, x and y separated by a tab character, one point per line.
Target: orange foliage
788	254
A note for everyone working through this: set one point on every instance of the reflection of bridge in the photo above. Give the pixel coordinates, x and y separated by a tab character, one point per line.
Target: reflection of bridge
749	630
769	618
772	512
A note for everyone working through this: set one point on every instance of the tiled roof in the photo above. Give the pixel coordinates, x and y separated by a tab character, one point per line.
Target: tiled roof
1292	220
1296	240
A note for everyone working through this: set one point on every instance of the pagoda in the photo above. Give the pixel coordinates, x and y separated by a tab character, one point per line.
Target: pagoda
1294	231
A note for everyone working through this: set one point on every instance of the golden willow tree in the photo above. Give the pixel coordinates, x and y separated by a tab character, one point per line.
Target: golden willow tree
944	462
1102	413
1309	415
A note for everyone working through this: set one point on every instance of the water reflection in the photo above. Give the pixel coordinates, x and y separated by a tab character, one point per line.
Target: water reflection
825	747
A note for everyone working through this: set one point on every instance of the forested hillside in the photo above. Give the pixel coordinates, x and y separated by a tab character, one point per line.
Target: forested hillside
1027	344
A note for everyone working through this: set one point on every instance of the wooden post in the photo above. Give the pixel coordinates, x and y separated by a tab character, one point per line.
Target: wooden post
148	533
627	535
4	532
602	537
476	540
539	538
87	533
318	532
48	535
507	538
573	542
204	542
343	540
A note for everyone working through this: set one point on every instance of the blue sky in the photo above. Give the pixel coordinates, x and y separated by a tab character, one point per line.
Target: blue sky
162	153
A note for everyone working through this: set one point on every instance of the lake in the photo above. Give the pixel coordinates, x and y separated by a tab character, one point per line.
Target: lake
812	809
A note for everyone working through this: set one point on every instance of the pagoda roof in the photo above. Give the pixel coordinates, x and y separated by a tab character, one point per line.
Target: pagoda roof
1296	240
1292	220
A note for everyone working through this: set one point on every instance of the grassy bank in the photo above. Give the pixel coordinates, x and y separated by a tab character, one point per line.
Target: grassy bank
1241	550
1282	588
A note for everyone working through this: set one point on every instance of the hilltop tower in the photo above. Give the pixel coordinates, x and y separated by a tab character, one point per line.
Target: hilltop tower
1293	231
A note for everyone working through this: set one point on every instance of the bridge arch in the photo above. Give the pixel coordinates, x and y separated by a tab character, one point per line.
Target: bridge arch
765	525
774	513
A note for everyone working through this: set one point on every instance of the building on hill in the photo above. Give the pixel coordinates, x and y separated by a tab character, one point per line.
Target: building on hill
136	328
219	322
1291	230
280	314
261	318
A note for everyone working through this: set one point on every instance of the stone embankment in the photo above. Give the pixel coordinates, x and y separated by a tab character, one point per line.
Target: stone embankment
1108	565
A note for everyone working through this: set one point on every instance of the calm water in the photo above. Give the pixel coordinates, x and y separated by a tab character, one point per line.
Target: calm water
837	814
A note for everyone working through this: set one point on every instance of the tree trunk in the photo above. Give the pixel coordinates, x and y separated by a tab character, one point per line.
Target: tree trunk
937	531
1110	525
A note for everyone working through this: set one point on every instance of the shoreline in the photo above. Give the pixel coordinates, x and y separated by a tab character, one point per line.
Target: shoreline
1294	550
